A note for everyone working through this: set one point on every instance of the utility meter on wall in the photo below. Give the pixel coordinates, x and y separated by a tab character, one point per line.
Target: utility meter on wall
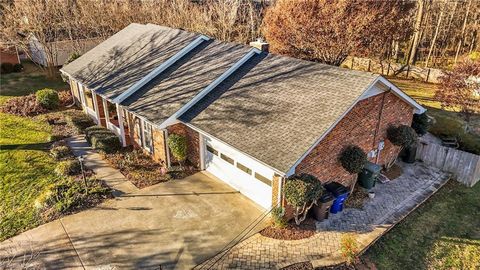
381	145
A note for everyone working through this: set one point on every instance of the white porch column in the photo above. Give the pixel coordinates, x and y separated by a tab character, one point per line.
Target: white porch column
95	106
120	125
105	110
201	145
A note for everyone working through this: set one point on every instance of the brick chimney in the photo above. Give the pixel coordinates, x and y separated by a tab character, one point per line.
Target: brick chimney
260	44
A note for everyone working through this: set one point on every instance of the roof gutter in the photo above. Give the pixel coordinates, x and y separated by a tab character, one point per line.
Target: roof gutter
279	172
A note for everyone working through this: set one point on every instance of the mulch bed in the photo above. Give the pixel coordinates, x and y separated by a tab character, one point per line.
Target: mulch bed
309	266
358	198
91	200
142	170
292	232
394	172
299	266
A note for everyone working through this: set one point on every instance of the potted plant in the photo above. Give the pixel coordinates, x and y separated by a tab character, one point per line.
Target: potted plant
421	123
405	137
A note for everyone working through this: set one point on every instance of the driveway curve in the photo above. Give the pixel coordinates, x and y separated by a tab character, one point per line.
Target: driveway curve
173	225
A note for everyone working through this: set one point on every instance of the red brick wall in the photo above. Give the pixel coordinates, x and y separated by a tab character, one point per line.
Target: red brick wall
8	57
193	144
159	145
357	127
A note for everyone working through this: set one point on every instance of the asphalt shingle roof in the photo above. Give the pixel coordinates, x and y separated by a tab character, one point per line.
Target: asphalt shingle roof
173	88
126	57
274	108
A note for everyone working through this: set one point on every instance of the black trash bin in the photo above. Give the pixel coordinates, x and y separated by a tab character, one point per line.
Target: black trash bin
369	174
409	154
340	193
321	210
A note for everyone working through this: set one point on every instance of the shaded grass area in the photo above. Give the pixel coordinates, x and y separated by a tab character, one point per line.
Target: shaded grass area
443	233
25	175
31	79
448	123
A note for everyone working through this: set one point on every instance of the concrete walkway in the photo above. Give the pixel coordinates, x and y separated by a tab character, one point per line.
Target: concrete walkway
172	225
393	201
112	177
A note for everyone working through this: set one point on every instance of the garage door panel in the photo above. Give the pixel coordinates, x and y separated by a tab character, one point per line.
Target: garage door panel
224	164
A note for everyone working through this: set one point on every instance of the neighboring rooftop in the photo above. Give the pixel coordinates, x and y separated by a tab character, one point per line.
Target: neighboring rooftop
126	57
168	92
274	108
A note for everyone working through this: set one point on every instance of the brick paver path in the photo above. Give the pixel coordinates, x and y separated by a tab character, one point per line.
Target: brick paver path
393	201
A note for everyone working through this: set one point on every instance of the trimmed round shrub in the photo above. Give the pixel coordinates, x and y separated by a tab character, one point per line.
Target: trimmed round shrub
6	68
17	68
80	121
278	217
96	130
178	146
353	159
48	98
302	192
106	143
402	135
68	167
421	123
61	152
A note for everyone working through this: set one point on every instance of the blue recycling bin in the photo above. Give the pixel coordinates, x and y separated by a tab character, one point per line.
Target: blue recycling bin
341	194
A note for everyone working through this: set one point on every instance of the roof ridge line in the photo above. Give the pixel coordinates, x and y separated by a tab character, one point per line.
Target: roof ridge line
139	84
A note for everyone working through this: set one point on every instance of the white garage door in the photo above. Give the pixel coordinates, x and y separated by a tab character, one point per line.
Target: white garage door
246	175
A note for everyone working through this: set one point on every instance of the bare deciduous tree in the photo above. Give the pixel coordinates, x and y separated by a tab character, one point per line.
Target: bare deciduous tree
328	31
460	89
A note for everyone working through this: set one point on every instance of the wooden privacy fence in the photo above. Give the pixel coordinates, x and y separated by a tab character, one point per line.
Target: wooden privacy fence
464	166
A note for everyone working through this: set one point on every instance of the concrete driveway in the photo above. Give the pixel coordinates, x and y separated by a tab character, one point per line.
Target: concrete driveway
175	225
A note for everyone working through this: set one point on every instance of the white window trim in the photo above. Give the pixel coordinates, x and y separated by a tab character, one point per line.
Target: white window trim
140	132
144	129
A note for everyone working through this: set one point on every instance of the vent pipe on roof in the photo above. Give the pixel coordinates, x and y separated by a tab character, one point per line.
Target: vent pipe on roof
260	44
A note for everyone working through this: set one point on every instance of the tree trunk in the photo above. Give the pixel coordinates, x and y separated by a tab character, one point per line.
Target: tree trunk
474	35
416	34
434	36
462	35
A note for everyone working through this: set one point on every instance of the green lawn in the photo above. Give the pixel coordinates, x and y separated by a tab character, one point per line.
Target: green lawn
422	92
443	233
448	123
25	173
29	81
31	193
